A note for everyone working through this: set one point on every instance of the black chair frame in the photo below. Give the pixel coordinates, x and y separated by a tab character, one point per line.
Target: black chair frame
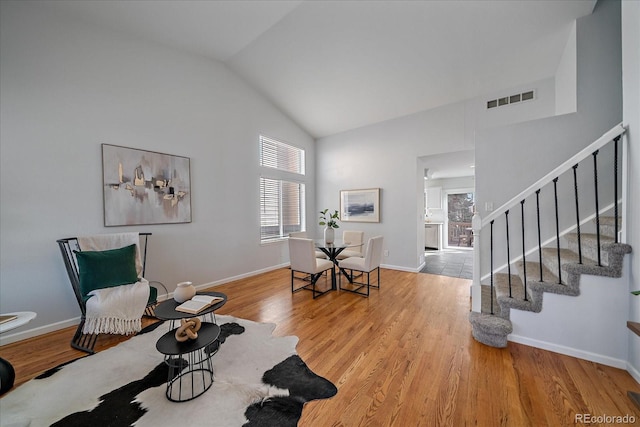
311	285
87	342
358	285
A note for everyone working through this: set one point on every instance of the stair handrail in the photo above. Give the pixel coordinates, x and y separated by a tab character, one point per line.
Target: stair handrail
607	137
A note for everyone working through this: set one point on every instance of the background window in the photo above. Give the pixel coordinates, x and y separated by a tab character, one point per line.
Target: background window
460	209
281	156
281	208
282	198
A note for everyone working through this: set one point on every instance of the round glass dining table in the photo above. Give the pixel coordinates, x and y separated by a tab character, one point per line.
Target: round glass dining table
332	250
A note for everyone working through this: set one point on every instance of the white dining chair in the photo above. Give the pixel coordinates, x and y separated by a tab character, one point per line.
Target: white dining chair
355	238
303	260
366	265
303	235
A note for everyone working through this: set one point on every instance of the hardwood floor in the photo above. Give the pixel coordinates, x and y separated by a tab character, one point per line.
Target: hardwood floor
403	357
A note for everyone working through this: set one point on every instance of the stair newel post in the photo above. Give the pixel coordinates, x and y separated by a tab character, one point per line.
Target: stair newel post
555	195
615	185
506	220
491	264
476	287
575	190
595	181
539	236
524	259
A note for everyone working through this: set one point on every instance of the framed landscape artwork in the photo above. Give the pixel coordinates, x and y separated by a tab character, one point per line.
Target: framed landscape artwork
360	205
145	187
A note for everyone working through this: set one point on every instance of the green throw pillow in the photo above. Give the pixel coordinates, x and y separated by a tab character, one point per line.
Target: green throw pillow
105	269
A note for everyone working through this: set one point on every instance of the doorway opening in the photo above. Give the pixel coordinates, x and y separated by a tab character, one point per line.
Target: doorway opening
443	175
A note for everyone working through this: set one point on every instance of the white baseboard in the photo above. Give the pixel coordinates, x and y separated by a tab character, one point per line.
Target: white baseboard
240	276
580	354
633	372
41	330
399	268
30	333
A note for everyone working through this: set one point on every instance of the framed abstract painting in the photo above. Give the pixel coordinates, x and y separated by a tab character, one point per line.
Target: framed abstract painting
145	187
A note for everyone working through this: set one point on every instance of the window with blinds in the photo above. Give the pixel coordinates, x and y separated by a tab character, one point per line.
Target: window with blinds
281	208
282	200
281	156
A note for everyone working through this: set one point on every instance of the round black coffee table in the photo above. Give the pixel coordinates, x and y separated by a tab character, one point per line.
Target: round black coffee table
190	368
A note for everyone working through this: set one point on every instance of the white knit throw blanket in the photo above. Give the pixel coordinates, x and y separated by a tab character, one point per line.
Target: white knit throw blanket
116	310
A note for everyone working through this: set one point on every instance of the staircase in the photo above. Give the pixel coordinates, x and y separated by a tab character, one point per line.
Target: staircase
557	264
494	329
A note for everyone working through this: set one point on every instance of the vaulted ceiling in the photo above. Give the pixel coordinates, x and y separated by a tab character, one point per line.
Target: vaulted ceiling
333	66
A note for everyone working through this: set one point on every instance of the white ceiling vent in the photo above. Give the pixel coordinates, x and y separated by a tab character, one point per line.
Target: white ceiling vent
511	99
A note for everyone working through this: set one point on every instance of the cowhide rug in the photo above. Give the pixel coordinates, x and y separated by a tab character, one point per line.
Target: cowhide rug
259	380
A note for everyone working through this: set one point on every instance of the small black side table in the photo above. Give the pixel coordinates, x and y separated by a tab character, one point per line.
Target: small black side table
188	382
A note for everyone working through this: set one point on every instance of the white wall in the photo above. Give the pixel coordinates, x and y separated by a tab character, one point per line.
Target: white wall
511	158
385	155
525	152
598	336
480	117
565	80
631	115
66	88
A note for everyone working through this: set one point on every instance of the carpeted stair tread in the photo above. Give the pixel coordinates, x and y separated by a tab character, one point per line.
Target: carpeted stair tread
487	307
607	225
549	282
515	298
588	239
609	220
567	256
550	256
615	256
533	272
589	245
490	329
501	285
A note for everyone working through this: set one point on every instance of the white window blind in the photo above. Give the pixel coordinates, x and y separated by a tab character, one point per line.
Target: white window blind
281	208
281	156
282	200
